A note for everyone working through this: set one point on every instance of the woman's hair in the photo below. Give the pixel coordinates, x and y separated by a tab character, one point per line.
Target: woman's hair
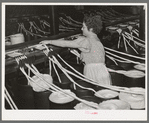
94	22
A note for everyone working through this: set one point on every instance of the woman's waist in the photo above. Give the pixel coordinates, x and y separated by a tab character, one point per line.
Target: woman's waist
92	59
100	63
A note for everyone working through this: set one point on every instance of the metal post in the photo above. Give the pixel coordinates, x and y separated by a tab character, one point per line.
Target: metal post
142	24
54	20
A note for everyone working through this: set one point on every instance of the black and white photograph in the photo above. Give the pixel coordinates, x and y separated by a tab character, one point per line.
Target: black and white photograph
74	61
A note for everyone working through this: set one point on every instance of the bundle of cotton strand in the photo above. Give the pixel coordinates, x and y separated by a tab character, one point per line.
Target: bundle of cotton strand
136	101
106	94
134	78
41	92
59	100
140	67
40	85
114	104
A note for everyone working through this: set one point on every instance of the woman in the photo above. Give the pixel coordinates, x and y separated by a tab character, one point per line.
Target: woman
92	50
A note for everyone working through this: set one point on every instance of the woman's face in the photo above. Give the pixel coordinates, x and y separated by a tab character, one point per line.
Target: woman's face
85	29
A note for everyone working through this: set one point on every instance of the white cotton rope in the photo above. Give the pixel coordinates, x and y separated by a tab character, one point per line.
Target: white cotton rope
119	40
31	64
56	72
134	31
116	88
129	44
50	67
7	93
58	64
123	89
18	59
124	53
73	68
134	37
124	43
11	99
117	71
70	23
111	58
59	89
72	95
32	80
74	20
32	25
29	73
39	75
33	22
81	78
28	77
75	53
37	28
124	58
114	59
19	28
35	68
28	32
46	48
139	44
45	51
106	86
46	23
69	28
65	72
84	77
77	76
9	102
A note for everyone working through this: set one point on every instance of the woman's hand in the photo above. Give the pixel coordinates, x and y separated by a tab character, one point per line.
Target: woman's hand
81	37
45	42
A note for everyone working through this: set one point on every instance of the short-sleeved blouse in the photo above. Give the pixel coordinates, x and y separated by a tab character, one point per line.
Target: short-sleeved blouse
96	53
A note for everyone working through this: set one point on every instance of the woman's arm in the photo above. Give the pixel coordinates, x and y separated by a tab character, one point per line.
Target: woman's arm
65	43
